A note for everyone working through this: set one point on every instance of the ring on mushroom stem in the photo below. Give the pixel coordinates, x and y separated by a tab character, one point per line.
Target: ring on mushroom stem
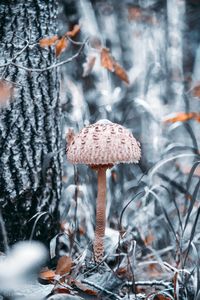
105	144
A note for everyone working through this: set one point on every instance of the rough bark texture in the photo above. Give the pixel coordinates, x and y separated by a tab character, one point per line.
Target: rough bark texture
100	216
30	137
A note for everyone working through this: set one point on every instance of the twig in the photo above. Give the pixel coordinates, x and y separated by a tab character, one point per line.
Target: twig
100	288
73	42
51	66
149	283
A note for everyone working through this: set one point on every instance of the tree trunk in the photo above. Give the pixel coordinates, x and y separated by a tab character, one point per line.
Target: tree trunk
30	135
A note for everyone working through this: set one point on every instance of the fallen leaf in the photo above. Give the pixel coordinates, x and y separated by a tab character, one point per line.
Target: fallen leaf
6	92
109	63
121	271
84	288
182	117
64	265
161	297
61	290
46	276
74	31
46	42
61	46
88	65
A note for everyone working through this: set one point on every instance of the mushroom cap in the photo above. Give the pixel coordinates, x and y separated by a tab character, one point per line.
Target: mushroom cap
103	143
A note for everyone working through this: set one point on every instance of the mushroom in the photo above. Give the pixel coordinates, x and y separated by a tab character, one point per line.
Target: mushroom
102	145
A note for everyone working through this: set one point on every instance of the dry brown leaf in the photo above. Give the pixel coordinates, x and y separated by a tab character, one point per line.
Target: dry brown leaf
121	73
6	92
61	290
182	117
74	31
64	265
108	62
84	288
121	271
46	42
61	46
161	297
88	65
197	117
196	90
47	275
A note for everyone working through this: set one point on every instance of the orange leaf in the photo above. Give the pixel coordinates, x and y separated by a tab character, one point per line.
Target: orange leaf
46	42
74	31
61	45
6	92
47	275
84	288
121	73
88	65
197	117
181	117
64	265
107	60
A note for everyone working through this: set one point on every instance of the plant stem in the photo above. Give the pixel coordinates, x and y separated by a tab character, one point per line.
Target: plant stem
100	215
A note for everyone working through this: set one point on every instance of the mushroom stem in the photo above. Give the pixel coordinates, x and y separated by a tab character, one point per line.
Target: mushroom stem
100	215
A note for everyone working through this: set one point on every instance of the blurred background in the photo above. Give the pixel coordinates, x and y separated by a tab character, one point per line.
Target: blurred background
157	44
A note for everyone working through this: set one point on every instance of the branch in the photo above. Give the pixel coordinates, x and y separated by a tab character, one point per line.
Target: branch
149	283
51	66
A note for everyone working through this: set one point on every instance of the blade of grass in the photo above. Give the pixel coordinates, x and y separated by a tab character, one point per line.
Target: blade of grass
191	236
188	183
165	213
173	183
161	163
178	147
125	207
192	202
176	207
191	134
39	215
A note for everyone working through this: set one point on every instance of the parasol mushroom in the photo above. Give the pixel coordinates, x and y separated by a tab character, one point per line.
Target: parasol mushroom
102	145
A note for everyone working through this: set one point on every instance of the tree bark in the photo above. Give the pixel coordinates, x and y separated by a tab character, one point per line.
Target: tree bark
30	135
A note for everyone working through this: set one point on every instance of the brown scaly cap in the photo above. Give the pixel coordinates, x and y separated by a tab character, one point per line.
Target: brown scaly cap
104	143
